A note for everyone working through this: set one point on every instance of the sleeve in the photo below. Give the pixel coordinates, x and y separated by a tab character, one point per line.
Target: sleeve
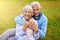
19	31
42	30
19	19
36	35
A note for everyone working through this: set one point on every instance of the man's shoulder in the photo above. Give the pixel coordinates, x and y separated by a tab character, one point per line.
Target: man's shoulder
43	17
19	16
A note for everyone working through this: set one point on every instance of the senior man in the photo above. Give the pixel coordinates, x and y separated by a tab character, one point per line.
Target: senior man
38	16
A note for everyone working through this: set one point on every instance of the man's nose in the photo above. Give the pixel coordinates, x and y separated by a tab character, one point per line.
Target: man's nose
35	11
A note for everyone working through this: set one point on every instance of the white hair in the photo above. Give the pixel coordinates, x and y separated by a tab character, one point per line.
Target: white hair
27	7
35	4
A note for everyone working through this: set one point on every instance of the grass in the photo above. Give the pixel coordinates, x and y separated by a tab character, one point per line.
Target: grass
12	8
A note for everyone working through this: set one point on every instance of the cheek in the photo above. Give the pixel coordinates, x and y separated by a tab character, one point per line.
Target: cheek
38	11
26	17
35	12
30	14
24	14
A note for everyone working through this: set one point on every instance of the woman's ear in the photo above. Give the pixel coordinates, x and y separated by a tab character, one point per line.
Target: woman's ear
32	14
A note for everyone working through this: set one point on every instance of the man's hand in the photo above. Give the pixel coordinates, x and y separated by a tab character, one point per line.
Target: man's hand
34	26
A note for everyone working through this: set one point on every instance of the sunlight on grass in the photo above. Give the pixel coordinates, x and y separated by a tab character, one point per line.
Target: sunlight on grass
8	11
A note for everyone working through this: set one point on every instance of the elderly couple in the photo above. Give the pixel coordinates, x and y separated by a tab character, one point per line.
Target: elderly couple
30	25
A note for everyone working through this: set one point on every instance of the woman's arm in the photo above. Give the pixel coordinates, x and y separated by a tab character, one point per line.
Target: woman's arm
19	31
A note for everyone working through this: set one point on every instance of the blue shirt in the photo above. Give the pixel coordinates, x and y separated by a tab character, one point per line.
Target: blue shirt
42	24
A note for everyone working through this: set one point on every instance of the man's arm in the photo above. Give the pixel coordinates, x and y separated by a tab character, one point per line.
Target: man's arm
42	30
19	19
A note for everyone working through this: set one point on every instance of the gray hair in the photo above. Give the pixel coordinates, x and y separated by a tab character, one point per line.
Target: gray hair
27	7
36	3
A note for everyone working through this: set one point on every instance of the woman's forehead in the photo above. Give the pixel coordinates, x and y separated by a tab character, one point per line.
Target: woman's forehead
29	10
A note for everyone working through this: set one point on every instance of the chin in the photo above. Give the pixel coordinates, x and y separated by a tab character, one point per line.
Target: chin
26	18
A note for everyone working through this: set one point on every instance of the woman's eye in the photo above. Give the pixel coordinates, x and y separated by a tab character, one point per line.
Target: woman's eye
33	9
29	12
36	9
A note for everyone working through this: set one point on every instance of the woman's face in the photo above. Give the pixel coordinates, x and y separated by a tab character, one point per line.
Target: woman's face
28	14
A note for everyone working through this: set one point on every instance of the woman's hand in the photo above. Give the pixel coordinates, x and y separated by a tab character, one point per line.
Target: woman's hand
26	25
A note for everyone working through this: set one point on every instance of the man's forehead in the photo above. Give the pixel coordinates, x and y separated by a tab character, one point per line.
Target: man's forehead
36	4
35	7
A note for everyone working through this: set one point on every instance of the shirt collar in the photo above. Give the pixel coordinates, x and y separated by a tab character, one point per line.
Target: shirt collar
37	17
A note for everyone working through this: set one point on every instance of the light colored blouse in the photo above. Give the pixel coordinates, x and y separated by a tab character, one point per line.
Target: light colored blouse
29	34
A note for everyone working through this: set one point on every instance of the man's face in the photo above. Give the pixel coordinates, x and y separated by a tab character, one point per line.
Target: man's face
28	14
36	10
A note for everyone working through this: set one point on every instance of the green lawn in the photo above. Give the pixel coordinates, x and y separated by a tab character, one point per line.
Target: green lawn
12	8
